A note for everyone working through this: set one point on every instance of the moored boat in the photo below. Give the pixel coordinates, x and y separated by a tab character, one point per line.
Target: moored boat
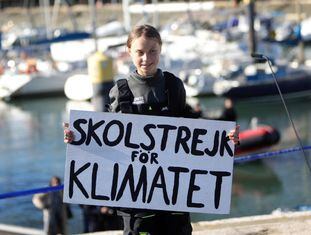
44	81
252	140
292	82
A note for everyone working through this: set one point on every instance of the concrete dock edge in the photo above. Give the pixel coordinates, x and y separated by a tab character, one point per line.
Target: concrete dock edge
6	229
278	223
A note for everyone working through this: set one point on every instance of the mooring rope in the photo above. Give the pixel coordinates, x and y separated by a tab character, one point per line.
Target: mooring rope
31	191
237	160
254	157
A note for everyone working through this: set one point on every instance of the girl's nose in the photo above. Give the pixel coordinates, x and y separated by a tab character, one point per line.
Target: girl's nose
144	57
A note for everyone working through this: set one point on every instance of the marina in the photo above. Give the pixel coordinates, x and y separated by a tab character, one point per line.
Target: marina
31	136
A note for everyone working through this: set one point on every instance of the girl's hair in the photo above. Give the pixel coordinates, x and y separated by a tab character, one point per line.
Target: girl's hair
145	30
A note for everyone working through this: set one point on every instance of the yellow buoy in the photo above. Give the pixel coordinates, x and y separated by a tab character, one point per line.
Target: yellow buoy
100	68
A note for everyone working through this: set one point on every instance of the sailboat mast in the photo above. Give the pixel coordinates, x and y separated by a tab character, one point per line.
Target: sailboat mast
251	31
301	56
92	9
45	4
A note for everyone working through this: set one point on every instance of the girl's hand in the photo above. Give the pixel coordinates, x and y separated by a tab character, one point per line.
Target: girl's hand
68	134
234	135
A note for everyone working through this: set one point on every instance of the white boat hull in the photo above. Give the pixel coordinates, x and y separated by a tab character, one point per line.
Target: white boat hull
21	85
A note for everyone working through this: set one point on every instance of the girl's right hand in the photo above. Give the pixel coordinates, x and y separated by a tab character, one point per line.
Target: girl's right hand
68	134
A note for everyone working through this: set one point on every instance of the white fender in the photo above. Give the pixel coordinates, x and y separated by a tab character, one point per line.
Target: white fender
78	87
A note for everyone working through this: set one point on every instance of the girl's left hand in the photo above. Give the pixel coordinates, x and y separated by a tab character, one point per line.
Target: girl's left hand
234	135
68	135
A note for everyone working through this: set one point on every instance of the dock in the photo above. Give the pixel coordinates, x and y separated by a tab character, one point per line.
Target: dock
278	223
6	229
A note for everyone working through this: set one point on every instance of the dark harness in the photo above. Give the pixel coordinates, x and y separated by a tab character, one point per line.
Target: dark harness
168	108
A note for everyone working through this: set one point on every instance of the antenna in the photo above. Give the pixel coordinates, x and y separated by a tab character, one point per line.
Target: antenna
263	57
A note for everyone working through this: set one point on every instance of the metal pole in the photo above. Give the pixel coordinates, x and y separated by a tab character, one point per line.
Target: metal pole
126	15
55	11
93	14
251	18
155	14
71	15
47	18
301	56
28	4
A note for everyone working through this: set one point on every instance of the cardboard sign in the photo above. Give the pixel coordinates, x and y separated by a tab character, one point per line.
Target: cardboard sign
151	162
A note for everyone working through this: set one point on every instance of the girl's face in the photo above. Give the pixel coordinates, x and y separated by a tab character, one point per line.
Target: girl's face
145	54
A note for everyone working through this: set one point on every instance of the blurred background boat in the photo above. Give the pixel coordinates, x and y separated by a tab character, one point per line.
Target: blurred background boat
37	84
257	81
35	75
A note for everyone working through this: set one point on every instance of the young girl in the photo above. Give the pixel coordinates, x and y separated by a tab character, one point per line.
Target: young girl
148	84
150	91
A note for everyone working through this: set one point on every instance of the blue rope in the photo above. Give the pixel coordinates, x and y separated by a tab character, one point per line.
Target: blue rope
253	157
31	191
238	160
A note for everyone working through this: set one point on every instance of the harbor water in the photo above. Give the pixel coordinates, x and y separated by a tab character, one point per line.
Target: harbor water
32	150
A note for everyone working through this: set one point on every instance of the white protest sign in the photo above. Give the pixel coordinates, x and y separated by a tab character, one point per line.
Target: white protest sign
151	162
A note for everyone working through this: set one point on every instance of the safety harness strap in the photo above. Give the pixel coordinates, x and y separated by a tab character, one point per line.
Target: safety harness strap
126	97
